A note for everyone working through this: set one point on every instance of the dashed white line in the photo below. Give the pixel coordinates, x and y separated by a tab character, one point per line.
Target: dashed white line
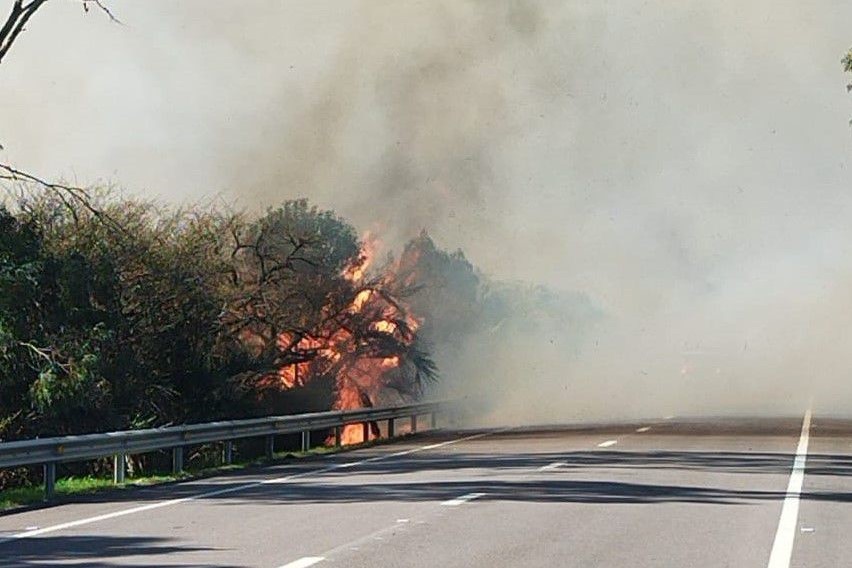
462	499
235	489
607	444
643	429
304	562
782	548
552	466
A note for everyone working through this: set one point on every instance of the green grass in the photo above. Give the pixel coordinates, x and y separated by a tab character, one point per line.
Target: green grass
73	486
70	486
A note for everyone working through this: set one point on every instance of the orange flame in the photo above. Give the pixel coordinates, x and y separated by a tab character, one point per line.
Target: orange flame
358	377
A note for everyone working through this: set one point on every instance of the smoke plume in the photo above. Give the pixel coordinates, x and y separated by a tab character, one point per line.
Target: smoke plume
655	193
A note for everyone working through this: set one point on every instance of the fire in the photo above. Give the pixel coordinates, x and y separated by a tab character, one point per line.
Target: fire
358	346
369	247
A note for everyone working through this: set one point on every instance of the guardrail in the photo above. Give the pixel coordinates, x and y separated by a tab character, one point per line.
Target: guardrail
50	451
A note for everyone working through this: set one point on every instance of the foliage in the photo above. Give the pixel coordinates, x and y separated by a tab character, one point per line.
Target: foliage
116	313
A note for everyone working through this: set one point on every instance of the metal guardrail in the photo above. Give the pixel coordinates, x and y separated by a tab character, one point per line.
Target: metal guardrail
50	451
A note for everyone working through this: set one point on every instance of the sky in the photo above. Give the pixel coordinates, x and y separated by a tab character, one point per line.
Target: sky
685	165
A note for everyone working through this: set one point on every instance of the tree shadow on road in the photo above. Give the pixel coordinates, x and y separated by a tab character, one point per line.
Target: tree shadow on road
700	461
583	477
97	552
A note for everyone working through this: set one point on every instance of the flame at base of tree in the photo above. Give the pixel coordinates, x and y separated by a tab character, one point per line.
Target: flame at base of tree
368	345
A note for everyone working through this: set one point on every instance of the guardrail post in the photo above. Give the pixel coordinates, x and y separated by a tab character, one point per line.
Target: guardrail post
270	446
366	431
49	480
118	469
338	436
306	440
413	423
434	419
177	460
229	452
390	427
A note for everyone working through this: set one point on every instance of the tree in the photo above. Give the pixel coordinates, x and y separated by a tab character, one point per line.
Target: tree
15	24
50	336
21	13
303	311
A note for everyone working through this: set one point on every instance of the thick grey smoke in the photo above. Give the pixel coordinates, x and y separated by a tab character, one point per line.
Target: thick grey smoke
678	173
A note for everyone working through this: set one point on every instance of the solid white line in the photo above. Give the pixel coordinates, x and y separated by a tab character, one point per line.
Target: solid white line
607	444
304	562
782	548
551	466
462	499
643	429
235	489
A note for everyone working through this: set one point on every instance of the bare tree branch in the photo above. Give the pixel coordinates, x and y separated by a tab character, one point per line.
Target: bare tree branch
21	13
63	192
103	8
16	22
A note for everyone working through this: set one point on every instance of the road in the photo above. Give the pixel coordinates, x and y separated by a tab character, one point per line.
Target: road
675	492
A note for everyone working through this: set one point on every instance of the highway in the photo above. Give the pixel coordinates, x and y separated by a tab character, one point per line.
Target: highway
674	492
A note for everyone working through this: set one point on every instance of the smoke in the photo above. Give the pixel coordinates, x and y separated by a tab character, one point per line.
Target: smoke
673	174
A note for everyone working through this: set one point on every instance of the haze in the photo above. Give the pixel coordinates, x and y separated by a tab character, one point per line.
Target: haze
683	167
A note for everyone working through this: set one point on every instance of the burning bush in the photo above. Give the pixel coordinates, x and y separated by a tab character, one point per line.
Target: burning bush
308	304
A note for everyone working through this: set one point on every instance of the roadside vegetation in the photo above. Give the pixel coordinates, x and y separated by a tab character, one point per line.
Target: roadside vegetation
117	314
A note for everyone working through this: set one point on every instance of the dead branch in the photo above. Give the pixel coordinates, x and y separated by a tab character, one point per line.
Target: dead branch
65	193
102	8
21	13
16	22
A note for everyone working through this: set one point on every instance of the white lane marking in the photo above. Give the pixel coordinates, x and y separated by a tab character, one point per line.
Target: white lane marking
358	543
643	429
607	444
669	417
304	562
782	548
552	466
462	499
236	489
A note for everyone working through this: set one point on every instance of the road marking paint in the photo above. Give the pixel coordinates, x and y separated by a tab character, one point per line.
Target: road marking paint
782	548
552	466
607	444
235	489
402	520
304	562
670	417
462	499
643	429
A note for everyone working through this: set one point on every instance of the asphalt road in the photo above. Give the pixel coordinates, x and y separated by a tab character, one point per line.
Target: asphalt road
674	493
